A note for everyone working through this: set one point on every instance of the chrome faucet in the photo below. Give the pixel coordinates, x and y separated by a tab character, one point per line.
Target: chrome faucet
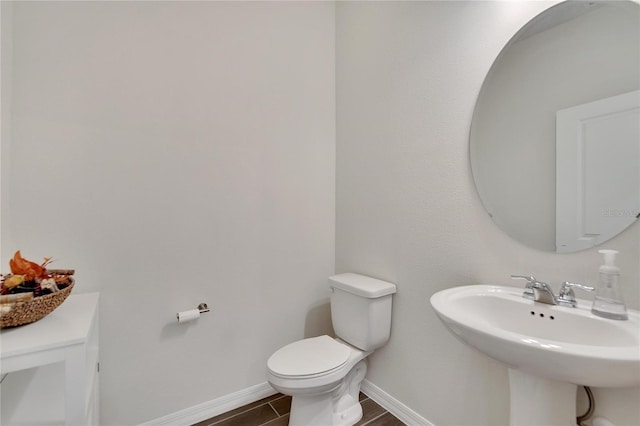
539	291
536	290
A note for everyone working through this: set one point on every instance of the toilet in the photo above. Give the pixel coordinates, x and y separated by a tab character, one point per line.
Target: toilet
323	374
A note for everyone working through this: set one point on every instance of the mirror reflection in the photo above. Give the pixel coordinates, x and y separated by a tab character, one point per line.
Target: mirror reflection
555	136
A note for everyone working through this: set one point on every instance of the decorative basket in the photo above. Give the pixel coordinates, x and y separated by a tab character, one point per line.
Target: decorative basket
35	309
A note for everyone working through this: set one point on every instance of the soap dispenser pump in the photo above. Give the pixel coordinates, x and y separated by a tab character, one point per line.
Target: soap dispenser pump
608	302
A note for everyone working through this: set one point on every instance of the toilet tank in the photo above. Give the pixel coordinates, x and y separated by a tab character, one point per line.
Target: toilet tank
361	310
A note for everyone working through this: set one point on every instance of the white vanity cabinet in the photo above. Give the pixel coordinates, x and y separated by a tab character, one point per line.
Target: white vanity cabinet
52	367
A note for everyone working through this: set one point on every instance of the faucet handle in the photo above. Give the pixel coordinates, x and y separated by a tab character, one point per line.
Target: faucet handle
567	295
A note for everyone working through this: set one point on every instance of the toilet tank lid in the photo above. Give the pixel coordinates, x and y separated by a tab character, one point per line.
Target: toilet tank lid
361	285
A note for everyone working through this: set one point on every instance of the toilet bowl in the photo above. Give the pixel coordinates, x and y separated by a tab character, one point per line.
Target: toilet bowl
323	374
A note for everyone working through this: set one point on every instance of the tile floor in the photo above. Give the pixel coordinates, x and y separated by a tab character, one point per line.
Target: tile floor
274	411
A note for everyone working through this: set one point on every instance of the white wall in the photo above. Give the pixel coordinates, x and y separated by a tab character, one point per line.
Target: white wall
408	74
175	153
6	54
183	152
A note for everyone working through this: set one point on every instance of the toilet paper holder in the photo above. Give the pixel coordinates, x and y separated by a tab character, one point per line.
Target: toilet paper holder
202	308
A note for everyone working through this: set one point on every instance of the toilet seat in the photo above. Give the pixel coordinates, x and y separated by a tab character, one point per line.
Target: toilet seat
309	358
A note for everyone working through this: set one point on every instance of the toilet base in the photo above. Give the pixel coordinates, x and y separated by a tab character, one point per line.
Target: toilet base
338	407
310	410
348	416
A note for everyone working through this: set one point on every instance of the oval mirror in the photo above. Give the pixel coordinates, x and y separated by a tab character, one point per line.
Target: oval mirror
555	135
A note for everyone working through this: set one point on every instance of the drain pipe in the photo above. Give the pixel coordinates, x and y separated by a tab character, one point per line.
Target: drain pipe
592	407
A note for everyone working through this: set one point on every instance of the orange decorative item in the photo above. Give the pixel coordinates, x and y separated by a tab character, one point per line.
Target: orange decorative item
31	270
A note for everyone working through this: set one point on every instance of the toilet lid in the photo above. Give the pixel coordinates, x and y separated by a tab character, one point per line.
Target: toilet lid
308	357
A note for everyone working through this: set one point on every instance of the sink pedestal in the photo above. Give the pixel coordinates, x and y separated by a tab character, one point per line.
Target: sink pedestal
536	401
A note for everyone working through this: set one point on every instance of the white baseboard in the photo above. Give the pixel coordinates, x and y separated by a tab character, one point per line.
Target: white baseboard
212	408
398	409
229	402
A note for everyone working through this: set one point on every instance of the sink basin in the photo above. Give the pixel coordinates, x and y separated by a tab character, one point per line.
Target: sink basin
549	349
557	342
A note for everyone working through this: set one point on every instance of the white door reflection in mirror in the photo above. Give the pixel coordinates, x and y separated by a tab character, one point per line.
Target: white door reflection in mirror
597	170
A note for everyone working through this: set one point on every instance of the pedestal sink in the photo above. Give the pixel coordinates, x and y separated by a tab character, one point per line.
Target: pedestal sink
549	349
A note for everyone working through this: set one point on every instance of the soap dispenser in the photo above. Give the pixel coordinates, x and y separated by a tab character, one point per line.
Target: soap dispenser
608	302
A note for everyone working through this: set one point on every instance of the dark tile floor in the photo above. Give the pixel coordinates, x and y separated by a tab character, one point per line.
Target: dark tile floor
274	411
